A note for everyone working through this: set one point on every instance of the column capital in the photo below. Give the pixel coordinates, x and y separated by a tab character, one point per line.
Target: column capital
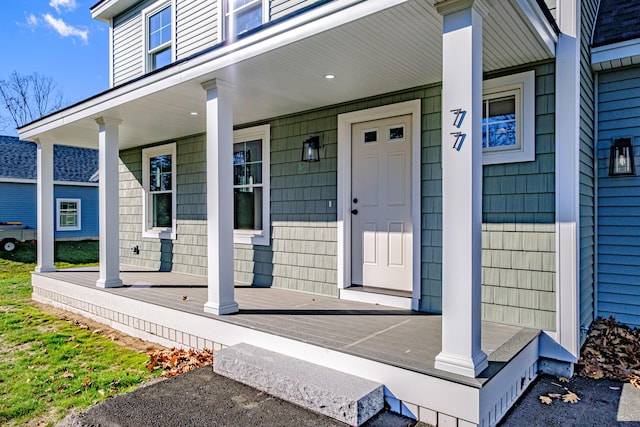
102	121
215	83
447	7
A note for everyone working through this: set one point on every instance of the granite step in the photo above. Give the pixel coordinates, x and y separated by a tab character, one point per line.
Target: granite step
344	397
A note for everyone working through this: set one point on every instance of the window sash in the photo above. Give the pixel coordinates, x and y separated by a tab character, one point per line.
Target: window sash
244	9
487	122
159	188
68	217
248	185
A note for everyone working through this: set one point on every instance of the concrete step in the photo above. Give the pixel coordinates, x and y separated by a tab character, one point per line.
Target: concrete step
344	397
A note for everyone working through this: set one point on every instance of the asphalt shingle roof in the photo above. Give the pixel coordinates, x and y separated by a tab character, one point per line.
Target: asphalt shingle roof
18	159
618	21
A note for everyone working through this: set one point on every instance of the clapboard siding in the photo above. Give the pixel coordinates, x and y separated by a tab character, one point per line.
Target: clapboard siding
587	167
128	48
19	204
196	26
281	8
618	199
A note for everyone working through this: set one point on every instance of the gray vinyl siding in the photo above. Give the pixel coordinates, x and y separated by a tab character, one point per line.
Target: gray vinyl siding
280	8
587	173
518	238
128	55
618	199
196	26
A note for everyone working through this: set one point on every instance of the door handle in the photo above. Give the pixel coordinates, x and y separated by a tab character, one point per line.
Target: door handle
354	211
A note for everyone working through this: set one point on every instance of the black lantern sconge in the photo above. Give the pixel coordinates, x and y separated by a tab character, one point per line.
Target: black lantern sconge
621	161
311	149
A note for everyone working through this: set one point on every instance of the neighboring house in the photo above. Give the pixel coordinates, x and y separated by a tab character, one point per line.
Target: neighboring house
75	209
433	156
616	59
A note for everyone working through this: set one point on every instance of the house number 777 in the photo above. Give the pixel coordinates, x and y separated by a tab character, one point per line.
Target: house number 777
459	137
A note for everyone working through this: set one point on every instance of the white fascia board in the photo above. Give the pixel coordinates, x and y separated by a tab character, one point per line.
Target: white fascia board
33	181
107	9
306	25
538	20
615	51
76	183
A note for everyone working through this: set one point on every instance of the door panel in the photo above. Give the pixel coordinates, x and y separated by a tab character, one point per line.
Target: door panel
381	204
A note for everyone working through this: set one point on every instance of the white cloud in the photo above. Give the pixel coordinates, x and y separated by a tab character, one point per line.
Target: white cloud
32	20
68	5
64	29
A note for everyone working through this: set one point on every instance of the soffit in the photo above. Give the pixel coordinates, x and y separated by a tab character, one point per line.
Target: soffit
391	50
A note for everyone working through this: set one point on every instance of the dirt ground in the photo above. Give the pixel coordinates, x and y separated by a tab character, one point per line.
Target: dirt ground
99	328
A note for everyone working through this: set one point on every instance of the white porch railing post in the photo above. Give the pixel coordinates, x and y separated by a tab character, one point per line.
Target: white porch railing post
219	141
461	187
45	221
108	144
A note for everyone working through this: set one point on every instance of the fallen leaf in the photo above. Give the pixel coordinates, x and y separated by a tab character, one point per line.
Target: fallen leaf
596	375
67	374
570	397
546	400
101	392
87	382
555	395
563	379
72	338
185	298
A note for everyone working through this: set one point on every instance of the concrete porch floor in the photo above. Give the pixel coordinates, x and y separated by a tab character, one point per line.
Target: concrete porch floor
390	338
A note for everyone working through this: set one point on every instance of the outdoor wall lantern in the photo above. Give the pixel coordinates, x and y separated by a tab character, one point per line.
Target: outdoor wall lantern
621	160
311	149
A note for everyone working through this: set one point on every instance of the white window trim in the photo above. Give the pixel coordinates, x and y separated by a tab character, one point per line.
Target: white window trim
258	237
60	227
147	153
146	13
223	5
524	83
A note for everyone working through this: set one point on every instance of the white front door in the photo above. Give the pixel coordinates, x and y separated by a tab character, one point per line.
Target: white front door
381	227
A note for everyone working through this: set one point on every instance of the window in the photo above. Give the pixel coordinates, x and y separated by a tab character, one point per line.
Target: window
159	36
68	218
251	185
242	16
159	178
508	114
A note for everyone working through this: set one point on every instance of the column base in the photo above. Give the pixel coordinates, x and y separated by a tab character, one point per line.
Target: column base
217	309
456	364
44	268
109	283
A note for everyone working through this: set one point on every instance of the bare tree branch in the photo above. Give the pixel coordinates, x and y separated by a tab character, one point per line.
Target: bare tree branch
28	97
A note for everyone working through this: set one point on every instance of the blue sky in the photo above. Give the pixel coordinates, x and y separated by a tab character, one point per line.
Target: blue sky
56	38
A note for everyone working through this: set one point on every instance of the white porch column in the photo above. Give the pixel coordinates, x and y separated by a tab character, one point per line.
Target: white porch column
220	198
109	203
461	187
45	233
567	185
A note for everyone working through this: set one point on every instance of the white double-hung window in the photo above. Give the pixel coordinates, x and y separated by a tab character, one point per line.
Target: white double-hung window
244	15
158	33
68	218
159	195
251	185
508	115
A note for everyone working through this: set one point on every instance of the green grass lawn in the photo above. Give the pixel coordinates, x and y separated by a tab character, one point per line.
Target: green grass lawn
49	366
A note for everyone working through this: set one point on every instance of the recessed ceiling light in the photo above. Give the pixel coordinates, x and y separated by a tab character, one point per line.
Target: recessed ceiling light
194	113
329	76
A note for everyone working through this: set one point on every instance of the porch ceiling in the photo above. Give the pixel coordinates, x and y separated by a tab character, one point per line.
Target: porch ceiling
373	47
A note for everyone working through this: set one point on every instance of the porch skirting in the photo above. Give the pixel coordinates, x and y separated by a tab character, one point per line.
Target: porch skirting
426	394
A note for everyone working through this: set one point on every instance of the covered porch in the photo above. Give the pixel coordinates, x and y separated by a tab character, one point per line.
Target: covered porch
389	345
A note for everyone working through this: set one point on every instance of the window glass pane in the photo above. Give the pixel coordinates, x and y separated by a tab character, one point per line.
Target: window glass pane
160	28
370	136
253	151
160	173
162	208
248	208
246	20
502	109
499	122
235	4
160	59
